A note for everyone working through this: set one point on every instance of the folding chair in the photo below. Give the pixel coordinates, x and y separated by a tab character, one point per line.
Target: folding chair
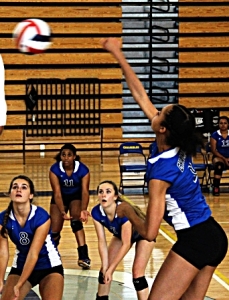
210	164
132	166
225	176
201	166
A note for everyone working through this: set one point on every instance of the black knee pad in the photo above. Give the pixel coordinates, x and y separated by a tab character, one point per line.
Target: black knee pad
140	283
76	225
101	278
219	167
56	237
102	297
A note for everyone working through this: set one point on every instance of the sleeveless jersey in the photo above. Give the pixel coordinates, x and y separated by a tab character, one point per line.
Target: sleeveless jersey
114	226
222	145
185	203
70	184
22	237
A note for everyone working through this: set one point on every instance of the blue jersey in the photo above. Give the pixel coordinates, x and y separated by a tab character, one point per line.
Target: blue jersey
222	145
22	237
70	184
185	203
114	226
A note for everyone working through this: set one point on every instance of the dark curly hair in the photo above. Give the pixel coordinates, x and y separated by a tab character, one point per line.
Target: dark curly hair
224	118
69	147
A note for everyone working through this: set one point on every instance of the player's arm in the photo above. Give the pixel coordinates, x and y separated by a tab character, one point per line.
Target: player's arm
32	256
4	254
3	106
54	181
149	227
156	208
102	244
85	198
126	245
139	94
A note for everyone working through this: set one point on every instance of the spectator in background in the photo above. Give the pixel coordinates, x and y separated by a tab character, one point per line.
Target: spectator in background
220	148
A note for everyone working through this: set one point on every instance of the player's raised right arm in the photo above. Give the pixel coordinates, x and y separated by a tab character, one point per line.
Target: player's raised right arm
138	92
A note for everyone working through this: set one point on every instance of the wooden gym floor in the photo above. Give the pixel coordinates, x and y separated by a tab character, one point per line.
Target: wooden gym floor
82	284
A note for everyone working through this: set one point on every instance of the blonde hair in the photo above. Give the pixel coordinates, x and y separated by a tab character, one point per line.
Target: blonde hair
136	208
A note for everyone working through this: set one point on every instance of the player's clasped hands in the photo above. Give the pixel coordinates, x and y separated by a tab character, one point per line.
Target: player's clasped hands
1	286
108	277
16	292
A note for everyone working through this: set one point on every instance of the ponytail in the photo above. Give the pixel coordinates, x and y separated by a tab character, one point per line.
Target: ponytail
3	231
136	208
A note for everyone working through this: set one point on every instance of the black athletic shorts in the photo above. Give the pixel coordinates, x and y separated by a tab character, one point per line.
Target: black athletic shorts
137	237
37	275
67	199
204	244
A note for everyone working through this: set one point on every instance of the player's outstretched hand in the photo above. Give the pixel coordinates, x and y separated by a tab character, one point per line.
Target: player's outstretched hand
111	44
84	216
65	216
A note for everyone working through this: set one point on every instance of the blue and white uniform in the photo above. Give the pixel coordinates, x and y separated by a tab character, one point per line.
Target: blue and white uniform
70	185
222	144
185	204
186	209
114	226
22	237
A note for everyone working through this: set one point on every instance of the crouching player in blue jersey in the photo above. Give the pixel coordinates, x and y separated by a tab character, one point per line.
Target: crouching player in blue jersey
104	215
175	194
70	179
36	258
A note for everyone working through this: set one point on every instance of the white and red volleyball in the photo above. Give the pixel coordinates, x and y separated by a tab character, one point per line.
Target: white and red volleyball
32	36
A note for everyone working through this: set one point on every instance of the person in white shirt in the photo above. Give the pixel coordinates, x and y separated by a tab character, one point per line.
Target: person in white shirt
3	107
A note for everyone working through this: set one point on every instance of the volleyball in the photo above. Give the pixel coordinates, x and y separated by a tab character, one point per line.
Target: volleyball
32	36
